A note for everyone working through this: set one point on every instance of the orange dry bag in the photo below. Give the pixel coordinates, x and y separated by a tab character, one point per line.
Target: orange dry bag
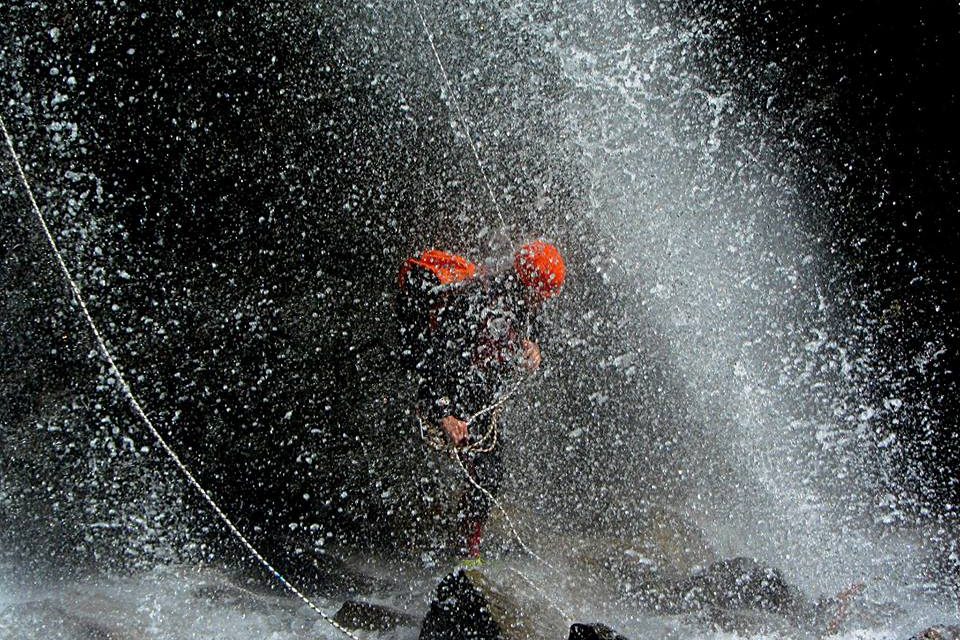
446	267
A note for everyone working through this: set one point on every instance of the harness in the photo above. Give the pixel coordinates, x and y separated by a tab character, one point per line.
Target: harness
434	437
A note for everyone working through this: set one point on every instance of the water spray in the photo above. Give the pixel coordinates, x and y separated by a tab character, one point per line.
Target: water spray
135	404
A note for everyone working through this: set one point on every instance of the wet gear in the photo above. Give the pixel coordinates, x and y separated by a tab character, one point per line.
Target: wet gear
446	267
540	267
463	338
470	347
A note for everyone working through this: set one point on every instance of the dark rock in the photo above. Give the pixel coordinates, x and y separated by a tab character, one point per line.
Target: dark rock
42	619
656	590
469	604
743	583
328	573
939	633
235	591
332	579
372	617
649	564
658	574
595	631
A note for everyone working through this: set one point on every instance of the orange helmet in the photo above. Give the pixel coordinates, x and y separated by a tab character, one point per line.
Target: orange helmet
540	265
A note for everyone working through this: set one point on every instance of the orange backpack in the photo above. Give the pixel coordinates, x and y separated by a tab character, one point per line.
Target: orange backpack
446	267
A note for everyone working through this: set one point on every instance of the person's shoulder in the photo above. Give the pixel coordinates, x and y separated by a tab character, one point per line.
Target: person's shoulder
504	285
489	284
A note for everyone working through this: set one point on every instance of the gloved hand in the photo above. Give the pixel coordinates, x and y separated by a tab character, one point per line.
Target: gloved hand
531	355
456	430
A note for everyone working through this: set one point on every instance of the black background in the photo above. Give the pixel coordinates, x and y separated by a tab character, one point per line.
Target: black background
869	89
864	90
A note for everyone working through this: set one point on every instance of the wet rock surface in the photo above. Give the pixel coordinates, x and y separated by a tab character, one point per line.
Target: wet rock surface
330	577
355	614
742	583
736	594
595	631
257	598
664	565
742	595
951	632
647	566
472	604
329	572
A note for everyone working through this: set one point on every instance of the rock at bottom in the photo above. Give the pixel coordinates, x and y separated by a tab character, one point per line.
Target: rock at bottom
371	617
594	631
939	633
469	604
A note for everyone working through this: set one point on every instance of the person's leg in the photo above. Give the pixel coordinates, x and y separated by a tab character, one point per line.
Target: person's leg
487	470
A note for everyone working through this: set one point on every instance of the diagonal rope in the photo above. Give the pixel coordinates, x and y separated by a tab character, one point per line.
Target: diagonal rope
551	601
127	392
516	534
457	453
138	408
504	229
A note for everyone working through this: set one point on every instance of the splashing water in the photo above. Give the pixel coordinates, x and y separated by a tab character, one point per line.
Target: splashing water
713	250
722	253
152	605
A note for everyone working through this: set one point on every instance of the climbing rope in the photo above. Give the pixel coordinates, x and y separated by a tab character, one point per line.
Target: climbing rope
127	392
493	499
434	437
516	534
448	86
551	601
486	443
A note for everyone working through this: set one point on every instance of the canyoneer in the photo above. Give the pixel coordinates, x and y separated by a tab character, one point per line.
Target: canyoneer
468	334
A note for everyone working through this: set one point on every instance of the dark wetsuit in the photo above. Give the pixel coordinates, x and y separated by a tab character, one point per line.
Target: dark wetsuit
465	360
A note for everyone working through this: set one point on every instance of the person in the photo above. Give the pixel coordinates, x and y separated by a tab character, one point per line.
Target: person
470	337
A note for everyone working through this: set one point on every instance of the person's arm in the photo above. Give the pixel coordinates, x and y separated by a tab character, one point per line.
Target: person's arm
530	345
440	409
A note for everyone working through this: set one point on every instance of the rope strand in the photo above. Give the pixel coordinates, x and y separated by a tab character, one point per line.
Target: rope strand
134	403
533	554
504	229
445	77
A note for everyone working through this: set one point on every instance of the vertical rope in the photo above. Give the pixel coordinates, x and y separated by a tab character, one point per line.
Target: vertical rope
448	86
134	403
